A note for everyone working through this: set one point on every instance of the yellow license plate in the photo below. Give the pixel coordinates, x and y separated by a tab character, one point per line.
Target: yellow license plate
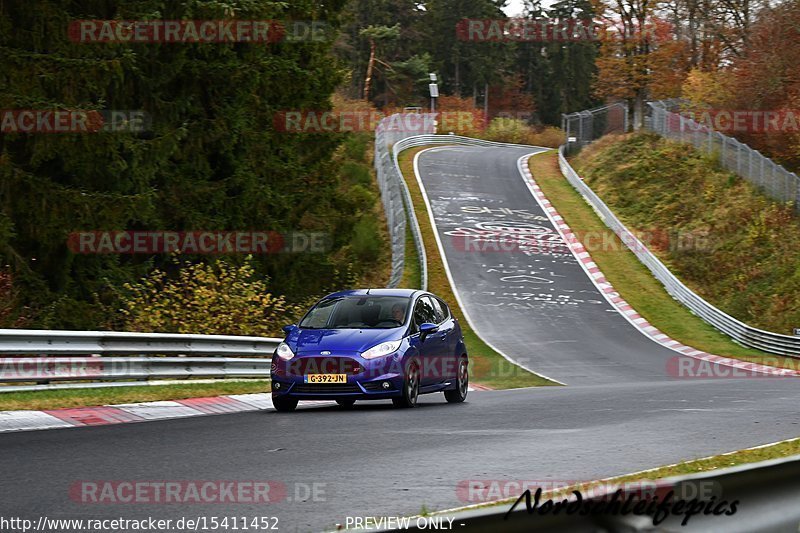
325	378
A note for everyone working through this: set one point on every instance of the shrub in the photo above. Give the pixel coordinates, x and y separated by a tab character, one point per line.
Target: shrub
357	173
550	137
511	130
11	313
508	130
355	146
203	298
366	242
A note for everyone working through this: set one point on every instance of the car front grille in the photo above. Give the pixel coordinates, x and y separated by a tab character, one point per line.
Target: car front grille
327	388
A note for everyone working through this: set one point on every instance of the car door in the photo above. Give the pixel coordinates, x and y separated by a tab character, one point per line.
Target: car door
449	338
430	349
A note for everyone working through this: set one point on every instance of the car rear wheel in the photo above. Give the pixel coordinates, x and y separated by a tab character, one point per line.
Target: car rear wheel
410	388
459	394
284	404
346	404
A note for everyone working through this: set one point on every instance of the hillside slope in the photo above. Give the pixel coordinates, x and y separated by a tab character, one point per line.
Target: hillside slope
718	234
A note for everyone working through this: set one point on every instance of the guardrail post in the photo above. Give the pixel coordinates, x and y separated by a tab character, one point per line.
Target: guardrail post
625	117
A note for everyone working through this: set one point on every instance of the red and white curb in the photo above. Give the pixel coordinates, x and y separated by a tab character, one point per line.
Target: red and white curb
135	412
143	412
613	297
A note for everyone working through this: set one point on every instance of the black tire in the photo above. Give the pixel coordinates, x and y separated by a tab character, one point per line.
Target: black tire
283	404
459	394
410	388
346	404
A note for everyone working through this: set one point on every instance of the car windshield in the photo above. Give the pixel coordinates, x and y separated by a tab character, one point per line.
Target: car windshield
357	312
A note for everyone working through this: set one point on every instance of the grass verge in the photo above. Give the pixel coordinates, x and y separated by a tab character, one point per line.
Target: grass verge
489	368
631	278
65	398
412	274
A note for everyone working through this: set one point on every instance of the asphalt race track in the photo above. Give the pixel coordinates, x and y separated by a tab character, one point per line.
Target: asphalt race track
539	308
621	411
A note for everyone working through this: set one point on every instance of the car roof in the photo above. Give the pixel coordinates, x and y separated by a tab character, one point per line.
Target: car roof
408	293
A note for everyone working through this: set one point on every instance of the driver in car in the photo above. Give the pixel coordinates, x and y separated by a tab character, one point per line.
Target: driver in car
398	312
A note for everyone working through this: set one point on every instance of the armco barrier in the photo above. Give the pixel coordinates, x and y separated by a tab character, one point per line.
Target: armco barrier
739	331
393	188
79	356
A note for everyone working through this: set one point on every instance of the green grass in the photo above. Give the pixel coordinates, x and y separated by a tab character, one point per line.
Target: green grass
631	278
63	398
488	367
412	274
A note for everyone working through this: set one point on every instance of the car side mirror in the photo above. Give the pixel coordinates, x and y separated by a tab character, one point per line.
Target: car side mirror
288	329
426	329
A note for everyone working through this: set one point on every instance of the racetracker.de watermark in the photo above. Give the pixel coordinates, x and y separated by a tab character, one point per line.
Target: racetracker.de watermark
527	237
367	120
73	121
50	368
428	368
736	121
686	367
475	491
193	491
199	31
544	30
197	242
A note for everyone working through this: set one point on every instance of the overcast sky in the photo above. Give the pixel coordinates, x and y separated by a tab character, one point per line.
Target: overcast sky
514	8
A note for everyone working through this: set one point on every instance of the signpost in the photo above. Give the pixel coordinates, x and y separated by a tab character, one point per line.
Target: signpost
434	89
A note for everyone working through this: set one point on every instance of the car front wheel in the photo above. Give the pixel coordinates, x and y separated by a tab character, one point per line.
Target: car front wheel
283	404
346	404
410	388
459	394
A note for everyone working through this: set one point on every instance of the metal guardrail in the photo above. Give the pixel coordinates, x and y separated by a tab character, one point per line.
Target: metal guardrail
739	331
765	493
394	192
179	356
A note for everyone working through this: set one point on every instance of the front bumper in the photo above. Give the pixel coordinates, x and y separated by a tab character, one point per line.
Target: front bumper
366	379
353	389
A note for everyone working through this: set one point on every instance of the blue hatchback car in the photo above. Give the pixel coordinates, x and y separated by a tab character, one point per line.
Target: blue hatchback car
371	344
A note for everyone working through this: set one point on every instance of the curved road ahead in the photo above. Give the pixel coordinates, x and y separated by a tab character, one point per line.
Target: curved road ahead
530	298
620	412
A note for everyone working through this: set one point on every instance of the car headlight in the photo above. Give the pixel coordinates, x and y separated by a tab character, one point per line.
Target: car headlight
284	352
382	349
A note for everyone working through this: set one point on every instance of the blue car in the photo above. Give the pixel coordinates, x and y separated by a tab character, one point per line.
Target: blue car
371	344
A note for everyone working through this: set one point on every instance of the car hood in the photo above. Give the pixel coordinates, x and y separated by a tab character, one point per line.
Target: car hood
314	341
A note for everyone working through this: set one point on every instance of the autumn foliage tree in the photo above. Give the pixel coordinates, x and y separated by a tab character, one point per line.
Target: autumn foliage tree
640	57
762	77
766	77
